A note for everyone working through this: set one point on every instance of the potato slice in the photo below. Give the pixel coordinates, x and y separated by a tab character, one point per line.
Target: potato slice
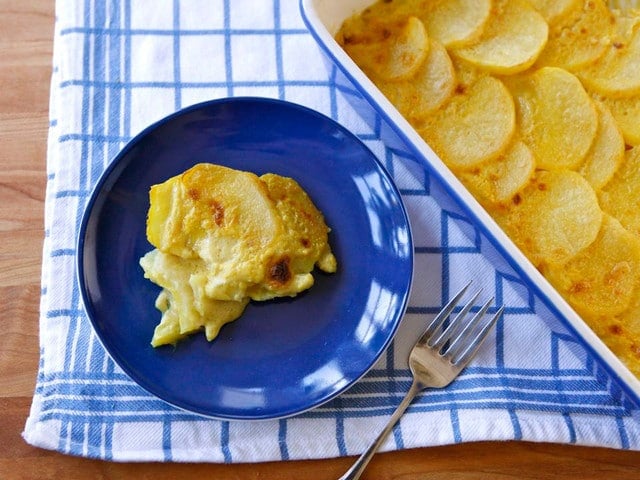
554	11
374	24
554	218
602	278
498	180
557	119
607	151
621	196
431	86
454	23
466	73
580	38
511	41
397	56
184	309
621	334
626	111
466	131
617	72
252	241
627	331
167	332
211	212
306	243
224	237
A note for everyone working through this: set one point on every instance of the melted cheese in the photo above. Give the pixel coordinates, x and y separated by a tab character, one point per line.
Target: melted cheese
223	237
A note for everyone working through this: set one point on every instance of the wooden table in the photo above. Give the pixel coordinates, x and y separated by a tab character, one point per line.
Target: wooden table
25	70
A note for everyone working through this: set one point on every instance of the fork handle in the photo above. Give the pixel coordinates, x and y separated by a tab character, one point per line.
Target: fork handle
358	467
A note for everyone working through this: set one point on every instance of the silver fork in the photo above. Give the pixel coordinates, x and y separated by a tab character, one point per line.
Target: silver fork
439	355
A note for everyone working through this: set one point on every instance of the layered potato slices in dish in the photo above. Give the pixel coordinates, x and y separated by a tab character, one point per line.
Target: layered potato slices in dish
224	237
535	106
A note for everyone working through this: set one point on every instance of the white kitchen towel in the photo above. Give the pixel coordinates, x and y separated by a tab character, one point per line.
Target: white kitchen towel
120	65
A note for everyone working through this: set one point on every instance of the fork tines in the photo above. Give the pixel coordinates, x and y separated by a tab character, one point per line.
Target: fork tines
458	338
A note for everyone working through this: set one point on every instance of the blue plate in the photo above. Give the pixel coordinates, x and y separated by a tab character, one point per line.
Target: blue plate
284	356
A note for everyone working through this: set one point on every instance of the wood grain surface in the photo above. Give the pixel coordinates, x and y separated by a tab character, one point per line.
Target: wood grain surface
25	72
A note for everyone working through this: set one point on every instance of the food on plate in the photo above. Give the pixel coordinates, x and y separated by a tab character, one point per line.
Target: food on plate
223	237
184	306
535	106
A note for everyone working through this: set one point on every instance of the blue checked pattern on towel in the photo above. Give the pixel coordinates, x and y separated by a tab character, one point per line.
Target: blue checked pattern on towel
120	65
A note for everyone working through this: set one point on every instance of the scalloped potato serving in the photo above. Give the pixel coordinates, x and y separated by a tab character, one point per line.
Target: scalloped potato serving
223	237
535	106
